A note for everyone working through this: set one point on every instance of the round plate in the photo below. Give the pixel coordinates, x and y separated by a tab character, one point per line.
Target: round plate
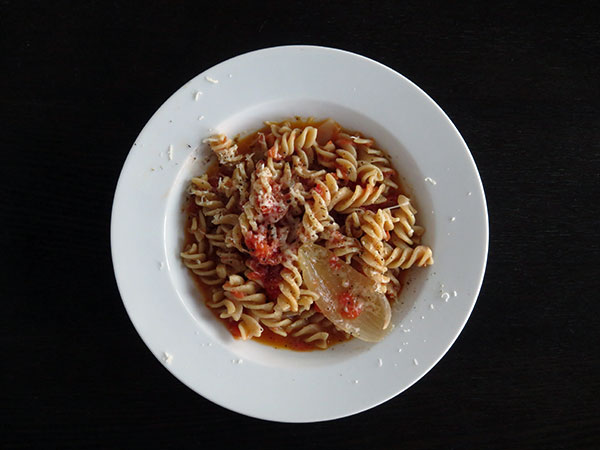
234	97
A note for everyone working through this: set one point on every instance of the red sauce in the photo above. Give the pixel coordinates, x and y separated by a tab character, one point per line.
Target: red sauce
319	189
337	237
269	276
262	247
232	326
273	205
270	139
273	153
272	287
335	263
349	307
212	171
238	294
296	343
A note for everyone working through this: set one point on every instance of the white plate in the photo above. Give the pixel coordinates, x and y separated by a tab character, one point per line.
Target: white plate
147	233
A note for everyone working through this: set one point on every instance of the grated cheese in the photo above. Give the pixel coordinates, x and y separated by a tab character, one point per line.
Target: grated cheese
228	155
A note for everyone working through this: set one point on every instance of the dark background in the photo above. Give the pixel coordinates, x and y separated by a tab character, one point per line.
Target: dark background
79	81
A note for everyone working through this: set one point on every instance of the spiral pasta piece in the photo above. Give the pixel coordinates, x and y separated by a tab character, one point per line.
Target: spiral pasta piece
237	287
311	224
225	186
316	216
394	287
344	247
405	215
205	196
216	239
225	149
274	167
327	189
301	162
378	158
277	129
226	219
248	294
234	237
249	327
376	228
347	199
204	267
306	139
198	227
405	257
307	298
291	279
368	173
312	327
277	324
352	225
294	139
232	260
345	163
228	308
240	177
326	155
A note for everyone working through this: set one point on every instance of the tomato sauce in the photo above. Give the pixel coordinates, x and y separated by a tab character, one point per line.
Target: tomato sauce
297	343
350	308
335	263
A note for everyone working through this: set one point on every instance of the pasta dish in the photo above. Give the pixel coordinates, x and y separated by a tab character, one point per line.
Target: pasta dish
283	210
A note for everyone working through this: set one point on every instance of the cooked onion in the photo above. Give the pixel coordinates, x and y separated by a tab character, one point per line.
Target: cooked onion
332	280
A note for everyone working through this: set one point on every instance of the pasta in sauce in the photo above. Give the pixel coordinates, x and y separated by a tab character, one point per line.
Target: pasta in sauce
287	184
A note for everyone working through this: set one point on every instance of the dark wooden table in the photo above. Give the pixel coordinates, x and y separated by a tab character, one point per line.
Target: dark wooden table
79	81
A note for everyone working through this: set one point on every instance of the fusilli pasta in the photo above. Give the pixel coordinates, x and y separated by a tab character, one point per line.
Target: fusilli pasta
287	184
